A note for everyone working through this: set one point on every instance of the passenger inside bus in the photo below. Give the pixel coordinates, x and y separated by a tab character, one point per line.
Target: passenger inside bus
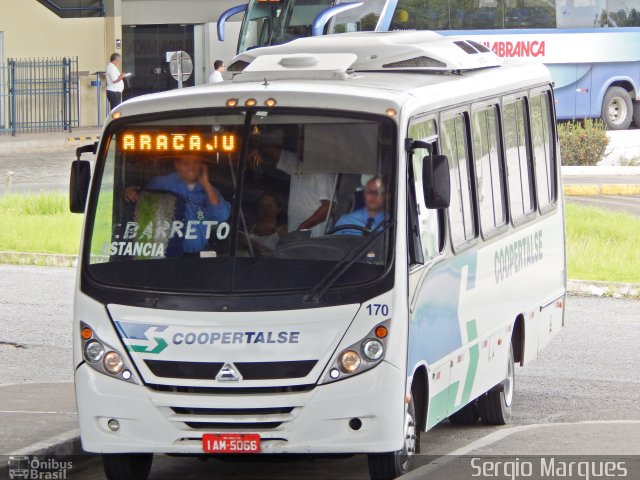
269	228
199	202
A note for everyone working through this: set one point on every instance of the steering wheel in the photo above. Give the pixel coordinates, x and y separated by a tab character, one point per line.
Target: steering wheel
364	230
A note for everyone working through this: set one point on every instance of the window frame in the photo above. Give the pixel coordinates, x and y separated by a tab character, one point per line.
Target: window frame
498	229
553	204
508	99
442	116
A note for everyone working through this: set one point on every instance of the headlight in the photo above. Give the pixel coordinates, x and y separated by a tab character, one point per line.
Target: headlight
373	349
93	351
350	361
113	363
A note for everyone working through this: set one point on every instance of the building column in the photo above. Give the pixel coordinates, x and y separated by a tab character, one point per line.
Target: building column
113	27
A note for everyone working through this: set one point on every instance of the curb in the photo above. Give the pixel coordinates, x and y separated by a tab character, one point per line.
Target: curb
577	189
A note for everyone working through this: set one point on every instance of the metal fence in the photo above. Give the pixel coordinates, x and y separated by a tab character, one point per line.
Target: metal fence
38	95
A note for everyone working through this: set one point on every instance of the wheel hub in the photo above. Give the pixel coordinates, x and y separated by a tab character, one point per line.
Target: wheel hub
508	384
617	110
410	437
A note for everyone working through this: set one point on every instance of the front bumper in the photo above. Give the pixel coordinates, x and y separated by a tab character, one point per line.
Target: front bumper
317	420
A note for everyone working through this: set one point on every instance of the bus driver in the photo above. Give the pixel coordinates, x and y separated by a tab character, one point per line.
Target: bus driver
371	215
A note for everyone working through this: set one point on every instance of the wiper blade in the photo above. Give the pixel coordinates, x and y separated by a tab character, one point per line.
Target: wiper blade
315	294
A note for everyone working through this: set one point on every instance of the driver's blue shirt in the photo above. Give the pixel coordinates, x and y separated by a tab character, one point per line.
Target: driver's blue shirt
360	218
196	208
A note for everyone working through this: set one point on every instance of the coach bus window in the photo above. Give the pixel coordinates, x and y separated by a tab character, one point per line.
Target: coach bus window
181	207
517	159
489	170
454	146
430	234
529	14
623	13
541	139
477	14
421	15
360	19
578	14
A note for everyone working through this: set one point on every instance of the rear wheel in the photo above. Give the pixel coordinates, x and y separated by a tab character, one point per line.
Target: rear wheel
636	113
495	405
467	415
387	466
127	466
617	108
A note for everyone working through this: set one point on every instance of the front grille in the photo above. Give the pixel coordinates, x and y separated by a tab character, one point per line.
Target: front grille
233	426
231	411
194	370
231	419
230	390
275	370
248	370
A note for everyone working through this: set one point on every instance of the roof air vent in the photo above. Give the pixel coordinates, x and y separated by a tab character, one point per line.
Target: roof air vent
299	61
478	46
470	49
417	62
238	66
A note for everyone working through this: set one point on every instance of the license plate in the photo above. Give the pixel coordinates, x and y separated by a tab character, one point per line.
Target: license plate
231	443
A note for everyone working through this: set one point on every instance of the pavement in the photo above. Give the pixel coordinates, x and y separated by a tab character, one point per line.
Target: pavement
41	418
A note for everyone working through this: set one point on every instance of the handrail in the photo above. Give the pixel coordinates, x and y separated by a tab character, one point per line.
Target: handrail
226	14
323	17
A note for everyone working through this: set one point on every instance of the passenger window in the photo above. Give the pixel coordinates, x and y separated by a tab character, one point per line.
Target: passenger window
429	225
453	140
489	171
541	138
517	159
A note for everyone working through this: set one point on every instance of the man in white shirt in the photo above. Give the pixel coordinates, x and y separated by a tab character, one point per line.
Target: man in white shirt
115	83
218	68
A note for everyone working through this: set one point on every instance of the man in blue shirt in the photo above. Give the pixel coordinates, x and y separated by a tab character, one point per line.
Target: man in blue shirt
202	202
371	215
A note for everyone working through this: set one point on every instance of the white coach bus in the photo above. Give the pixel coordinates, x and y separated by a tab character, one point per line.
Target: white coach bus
352	241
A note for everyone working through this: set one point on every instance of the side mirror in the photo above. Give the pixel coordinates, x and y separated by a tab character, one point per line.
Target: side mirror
436	182
80	179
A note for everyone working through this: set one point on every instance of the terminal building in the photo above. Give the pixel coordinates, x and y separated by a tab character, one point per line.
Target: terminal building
143	31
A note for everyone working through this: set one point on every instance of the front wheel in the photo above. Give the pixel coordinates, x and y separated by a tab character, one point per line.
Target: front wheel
495	405
387	466
127	466
617	109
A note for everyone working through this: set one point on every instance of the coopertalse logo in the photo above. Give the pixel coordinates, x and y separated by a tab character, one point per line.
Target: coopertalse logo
154	339
143	337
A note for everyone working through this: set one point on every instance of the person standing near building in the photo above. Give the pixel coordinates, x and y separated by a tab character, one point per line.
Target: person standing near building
218	68
115	80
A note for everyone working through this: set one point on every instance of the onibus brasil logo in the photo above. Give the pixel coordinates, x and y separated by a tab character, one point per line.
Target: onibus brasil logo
143	337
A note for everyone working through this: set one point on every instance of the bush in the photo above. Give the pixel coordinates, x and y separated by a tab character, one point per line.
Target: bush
582	143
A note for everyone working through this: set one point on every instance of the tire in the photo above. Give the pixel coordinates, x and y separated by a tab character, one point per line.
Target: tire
495	405
128	466
467	415
387	466
636	113
617	109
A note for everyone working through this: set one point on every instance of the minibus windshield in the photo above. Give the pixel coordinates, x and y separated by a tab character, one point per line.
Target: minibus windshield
242	201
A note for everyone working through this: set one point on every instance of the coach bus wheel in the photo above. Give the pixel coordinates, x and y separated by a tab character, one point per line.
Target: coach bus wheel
386	466
127	466
636	113
617	109
495	405
467	415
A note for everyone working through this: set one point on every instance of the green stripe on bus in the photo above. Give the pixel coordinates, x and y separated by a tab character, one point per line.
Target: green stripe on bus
474	355
439	404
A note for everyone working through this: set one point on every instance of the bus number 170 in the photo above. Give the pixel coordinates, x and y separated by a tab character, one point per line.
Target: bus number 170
378	309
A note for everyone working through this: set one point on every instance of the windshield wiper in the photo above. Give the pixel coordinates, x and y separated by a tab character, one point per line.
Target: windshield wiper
315	294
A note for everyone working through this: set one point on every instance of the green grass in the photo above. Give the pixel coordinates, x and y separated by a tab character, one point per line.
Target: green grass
602	245
38	223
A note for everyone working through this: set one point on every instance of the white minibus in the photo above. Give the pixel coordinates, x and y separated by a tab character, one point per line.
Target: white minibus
355	239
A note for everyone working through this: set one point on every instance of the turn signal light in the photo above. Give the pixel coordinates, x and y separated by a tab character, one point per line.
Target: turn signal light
251	102
381	331
270	102
86	333
232	102
116	115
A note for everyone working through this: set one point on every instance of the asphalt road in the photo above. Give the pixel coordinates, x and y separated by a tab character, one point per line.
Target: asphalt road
615	203
589	372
